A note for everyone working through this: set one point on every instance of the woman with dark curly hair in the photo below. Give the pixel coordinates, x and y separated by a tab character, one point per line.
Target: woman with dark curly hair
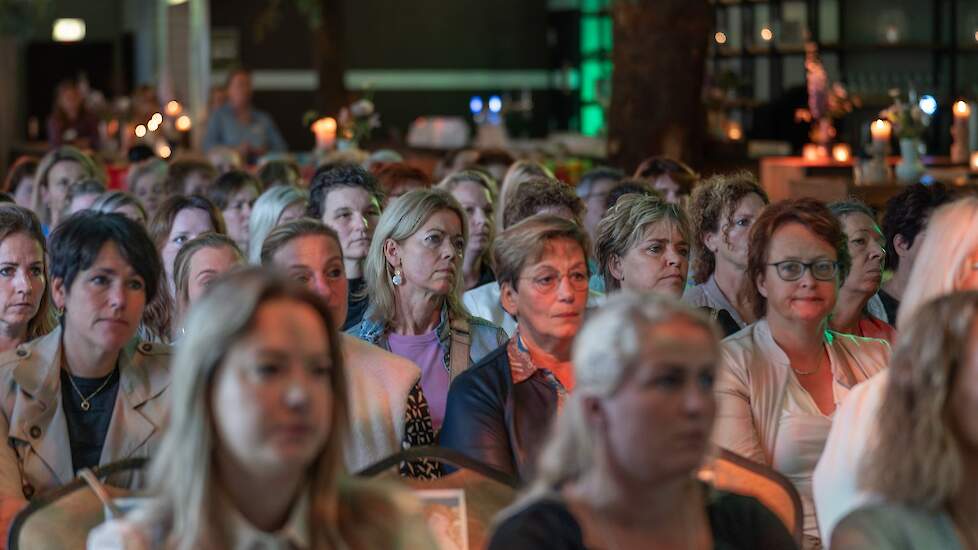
721	211
784	375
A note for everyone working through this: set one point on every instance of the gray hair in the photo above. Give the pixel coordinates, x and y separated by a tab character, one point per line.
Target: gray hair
154	166
267	211
112	201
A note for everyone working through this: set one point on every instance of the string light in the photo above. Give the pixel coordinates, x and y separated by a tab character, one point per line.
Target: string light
767	34
140	131
720	37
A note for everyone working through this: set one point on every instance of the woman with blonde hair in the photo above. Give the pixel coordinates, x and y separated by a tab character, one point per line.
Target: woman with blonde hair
252	454
414	277
277	205
945	263
476	192
924	464
519	172
309	252
604	479
25	307
58	169
200	262
147	181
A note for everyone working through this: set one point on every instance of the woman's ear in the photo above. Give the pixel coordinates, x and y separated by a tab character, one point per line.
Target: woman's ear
508	298
710	241
761	284
58	292
614	267
392	252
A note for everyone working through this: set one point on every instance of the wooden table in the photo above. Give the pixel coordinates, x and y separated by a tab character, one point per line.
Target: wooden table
828	180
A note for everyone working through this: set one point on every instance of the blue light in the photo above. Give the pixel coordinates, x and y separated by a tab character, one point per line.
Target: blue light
495	104
928	104
475	105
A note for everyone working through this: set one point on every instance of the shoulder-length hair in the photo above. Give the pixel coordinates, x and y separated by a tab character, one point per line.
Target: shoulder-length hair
182	475
623	226
951	236
54	156
181	264
917	457
403	218
710	207
13	220
607	349
158	318
266	213
811	213
484	181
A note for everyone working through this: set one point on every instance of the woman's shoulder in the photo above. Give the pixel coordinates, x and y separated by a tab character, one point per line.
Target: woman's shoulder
543	523
889	525
871	354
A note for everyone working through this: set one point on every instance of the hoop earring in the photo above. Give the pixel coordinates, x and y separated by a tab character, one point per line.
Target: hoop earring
397	280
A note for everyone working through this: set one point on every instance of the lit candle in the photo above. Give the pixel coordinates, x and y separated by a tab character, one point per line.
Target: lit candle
325	130
974	161
734	131
810	152
841	152
881	130
959	131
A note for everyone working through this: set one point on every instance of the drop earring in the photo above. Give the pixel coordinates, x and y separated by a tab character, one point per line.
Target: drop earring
397	280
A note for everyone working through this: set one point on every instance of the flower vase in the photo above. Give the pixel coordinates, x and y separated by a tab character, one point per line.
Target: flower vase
910	167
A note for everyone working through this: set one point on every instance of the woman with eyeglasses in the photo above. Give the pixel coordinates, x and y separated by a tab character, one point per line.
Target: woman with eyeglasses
867	249
500	410
784	376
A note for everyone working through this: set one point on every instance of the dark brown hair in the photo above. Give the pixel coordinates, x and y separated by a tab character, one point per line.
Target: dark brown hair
654	167
389	175
713	202
811	213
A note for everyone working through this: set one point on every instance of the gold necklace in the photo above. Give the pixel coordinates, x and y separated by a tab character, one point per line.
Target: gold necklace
808	372
85	401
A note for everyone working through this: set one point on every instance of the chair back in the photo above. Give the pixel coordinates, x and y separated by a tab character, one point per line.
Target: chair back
61	519
486	490
733	473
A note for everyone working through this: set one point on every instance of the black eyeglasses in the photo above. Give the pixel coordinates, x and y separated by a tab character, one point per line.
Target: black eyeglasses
792	270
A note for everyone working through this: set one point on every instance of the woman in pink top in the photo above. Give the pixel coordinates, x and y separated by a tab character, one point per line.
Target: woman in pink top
866	246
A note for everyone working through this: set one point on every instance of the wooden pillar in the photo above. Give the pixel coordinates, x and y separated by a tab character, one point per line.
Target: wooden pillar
659	61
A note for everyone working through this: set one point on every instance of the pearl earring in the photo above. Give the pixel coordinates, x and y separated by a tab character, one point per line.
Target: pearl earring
397	280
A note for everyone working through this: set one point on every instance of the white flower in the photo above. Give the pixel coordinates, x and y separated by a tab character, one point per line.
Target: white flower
362	108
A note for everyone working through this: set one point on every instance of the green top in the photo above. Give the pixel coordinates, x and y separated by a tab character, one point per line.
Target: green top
895	526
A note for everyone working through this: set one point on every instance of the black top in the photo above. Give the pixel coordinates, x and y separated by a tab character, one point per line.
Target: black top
356	303
736	521
891	305
87	429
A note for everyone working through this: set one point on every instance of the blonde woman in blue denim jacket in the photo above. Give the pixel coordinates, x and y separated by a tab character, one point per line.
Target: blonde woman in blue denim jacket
414	279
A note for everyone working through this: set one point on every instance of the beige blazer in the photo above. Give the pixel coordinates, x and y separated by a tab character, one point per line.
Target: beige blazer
37	456
753	376
378	384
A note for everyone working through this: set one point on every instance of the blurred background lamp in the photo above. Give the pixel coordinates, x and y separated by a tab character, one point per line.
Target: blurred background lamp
183	123
68	30
173	108
475	105
495	104
140	131
928	104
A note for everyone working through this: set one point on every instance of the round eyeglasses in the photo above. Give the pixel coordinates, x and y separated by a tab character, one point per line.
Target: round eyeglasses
792	270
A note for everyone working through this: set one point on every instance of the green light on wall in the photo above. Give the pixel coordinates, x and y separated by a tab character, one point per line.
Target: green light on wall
595	48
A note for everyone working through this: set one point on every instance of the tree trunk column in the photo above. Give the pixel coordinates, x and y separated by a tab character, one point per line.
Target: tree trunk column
659	57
